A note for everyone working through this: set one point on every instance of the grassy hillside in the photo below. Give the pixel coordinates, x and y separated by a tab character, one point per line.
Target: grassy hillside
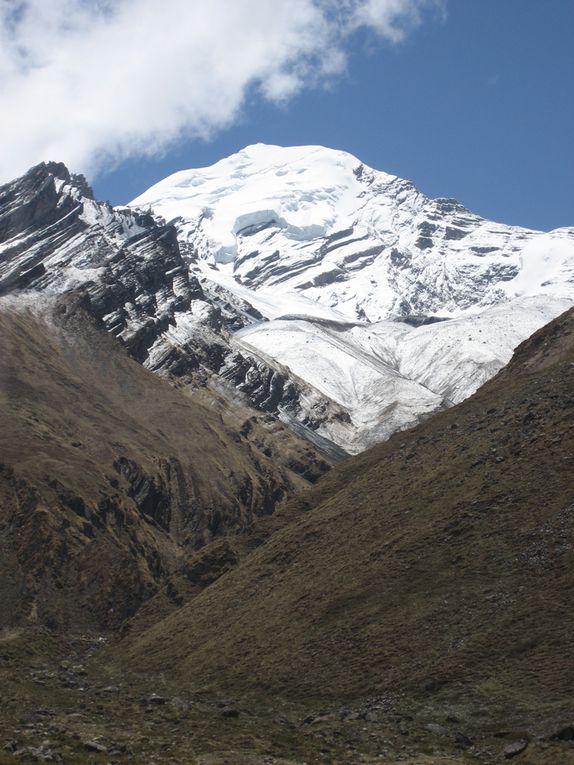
436	569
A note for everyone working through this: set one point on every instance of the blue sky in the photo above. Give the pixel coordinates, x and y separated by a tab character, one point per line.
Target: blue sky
475	102
479	106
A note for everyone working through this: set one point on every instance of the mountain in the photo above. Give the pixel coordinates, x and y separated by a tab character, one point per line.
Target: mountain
112	481
352	268
431	575
296	282
177	584
319	223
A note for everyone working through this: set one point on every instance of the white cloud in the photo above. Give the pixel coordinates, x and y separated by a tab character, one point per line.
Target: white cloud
91	82
391	18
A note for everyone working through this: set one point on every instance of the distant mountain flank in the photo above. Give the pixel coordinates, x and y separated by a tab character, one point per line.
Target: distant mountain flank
318	224
346	263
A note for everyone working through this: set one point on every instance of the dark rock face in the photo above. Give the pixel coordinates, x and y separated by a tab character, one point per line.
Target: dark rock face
266	387
565	733
31	201
452	233
149	493
56	237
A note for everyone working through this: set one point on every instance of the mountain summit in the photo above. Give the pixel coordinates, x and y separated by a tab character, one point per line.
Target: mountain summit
351	270
320	223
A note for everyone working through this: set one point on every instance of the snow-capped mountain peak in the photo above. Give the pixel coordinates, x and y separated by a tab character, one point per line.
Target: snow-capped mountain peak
332	252
305	192
330	295
319	223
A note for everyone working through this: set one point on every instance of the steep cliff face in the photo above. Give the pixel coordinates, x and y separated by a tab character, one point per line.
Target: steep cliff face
110	478
54	238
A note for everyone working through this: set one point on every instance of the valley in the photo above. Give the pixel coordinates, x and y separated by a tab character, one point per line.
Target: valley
286	472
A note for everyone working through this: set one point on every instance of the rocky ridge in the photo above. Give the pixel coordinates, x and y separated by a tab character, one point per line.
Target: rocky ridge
54	238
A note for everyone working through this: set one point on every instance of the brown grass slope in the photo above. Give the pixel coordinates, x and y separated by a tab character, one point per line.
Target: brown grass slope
110	478
437	567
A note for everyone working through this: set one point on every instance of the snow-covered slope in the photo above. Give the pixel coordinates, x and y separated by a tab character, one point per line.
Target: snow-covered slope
345	263
387	375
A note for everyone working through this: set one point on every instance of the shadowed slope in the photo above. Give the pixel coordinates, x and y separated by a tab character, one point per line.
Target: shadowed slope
110	478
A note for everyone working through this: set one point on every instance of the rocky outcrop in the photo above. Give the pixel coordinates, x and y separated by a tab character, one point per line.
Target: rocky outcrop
54	237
